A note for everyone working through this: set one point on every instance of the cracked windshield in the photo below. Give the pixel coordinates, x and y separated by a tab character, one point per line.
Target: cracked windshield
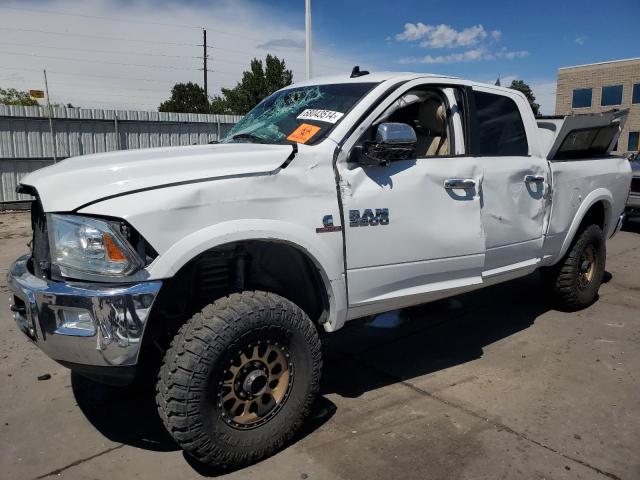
302	115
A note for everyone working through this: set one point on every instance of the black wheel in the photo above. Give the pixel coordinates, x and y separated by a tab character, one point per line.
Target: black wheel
576	279
239	378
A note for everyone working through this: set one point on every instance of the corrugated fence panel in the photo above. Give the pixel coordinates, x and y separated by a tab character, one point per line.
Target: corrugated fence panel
26	141
12	171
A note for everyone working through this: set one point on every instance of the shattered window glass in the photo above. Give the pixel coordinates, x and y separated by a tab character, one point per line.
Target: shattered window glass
302	114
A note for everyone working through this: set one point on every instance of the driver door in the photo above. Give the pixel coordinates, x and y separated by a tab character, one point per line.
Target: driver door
413	229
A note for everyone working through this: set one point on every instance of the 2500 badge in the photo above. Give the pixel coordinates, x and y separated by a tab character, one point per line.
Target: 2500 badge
368	218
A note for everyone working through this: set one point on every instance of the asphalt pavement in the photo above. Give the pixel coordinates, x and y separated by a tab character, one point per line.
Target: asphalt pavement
488	385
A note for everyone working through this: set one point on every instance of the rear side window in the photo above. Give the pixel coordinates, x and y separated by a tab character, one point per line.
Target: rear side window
499	128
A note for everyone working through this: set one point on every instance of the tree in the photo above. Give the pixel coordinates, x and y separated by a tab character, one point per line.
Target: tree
186	98
11	96
526	89
257	83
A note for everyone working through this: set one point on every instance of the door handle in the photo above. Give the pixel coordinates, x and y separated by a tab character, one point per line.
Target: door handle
459	183
533	178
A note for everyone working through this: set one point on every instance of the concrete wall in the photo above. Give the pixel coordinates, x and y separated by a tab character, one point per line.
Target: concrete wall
26	141
623	72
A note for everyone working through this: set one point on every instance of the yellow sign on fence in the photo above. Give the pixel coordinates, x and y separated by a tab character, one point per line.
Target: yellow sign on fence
36	93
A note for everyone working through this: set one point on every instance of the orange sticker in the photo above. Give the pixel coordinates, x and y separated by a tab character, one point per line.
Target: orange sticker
303	133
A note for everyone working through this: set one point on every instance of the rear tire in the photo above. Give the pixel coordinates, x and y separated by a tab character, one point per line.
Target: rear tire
576	279
239	379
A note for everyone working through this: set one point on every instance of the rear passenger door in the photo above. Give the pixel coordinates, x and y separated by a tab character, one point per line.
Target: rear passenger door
514	184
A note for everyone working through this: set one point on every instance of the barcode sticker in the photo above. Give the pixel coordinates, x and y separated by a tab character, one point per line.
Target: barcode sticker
320	115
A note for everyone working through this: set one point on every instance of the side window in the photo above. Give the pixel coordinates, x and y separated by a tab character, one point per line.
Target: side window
581	98
611	95
427	112
499	127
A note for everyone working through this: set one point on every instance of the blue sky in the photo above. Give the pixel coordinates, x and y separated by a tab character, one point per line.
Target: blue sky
554	33
541	36
78	41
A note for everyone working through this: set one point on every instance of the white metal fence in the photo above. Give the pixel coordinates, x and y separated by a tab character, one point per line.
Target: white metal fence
26	141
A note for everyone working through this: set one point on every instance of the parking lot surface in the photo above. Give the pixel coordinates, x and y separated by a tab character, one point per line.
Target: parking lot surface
487	385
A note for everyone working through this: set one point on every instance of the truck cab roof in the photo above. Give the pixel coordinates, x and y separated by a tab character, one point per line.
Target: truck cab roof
384	76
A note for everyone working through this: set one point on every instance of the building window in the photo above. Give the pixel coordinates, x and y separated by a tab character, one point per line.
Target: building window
581	98
636	93
611	95
500	128
633	141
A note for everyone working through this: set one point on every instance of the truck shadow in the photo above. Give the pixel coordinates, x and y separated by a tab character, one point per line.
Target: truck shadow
375	352
365	355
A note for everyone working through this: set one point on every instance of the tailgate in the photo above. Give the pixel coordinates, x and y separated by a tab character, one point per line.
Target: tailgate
588	135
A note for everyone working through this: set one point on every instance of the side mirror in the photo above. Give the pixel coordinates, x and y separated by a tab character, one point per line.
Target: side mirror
631	156
394	141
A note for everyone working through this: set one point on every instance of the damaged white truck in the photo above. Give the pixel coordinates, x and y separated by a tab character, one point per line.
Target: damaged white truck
332	200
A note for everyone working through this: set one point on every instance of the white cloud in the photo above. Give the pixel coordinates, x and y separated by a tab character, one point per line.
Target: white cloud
139	75
444	36
580	40
473	55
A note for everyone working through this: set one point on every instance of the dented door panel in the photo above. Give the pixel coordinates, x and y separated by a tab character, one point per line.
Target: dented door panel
513	208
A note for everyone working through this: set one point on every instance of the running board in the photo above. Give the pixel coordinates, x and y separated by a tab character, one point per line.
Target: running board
511	268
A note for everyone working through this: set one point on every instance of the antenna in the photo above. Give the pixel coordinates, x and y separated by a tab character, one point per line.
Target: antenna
356	72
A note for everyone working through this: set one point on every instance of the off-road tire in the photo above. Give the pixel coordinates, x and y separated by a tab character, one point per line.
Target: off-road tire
195	362
570	292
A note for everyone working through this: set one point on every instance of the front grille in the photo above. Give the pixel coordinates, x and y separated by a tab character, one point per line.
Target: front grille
40	254
635	184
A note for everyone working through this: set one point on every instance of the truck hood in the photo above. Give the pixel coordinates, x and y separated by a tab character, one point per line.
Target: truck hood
77	181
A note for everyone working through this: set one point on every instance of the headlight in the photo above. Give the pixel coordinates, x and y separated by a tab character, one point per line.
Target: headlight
83	245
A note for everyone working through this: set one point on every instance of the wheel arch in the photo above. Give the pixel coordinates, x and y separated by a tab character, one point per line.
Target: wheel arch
596	208
312	266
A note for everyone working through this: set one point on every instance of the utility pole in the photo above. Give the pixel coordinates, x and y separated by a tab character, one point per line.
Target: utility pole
54	143
307	24
204	58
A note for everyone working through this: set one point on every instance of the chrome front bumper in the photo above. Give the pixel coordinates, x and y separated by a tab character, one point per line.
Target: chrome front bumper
113	317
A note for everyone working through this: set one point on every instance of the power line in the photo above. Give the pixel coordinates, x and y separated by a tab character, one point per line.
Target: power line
217	30
88	75
87	50
106	76
168	67
108	87
113	19
48	32
99	51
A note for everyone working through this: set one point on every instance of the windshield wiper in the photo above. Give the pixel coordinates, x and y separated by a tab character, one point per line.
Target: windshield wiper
248	136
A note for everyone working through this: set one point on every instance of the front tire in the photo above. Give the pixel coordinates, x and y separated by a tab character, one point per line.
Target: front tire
575	281
239	379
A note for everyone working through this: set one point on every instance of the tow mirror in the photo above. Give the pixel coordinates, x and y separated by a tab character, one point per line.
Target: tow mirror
394	141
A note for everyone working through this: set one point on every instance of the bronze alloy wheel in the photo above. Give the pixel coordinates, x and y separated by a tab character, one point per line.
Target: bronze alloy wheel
587	266
255	384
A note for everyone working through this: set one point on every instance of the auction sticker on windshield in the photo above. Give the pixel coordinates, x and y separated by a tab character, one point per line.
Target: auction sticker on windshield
320	115
303	133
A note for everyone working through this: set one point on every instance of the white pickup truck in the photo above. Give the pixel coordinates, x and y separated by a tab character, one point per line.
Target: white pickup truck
333	199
